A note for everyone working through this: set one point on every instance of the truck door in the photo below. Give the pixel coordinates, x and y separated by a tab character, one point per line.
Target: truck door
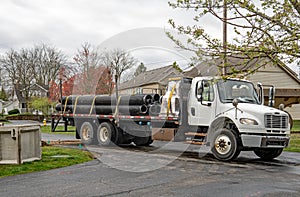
201	103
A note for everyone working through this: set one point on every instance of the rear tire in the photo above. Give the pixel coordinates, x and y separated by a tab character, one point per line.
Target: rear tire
87	133
225	145
268	154
106	134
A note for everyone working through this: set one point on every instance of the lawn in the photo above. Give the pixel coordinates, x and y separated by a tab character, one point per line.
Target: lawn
294	145
296	125
59	130
52	157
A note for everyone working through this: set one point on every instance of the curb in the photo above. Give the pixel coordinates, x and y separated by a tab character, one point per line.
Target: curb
60	142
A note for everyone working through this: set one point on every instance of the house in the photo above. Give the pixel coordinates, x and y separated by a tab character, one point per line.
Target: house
284	79
18	99
150	82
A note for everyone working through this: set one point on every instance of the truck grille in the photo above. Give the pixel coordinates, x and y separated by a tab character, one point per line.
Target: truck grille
273	121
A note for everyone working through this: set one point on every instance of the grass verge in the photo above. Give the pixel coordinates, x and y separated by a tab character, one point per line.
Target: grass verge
296	126
52	157
294	145
59	130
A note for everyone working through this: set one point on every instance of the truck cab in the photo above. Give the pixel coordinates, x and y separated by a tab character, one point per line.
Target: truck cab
229	115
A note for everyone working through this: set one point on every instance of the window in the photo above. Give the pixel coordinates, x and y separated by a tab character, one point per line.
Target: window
208	91
205	91
241	90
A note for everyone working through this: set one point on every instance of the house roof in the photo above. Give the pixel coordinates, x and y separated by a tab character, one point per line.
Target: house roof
210	67
35	86
159	75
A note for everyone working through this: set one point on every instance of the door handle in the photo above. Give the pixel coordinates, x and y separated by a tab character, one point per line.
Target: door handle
193	111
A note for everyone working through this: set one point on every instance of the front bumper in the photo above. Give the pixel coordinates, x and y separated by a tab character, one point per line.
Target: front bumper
258	141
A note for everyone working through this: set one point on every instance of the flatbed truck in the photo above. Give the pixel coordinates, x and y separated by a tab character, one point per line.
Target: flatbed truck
226	115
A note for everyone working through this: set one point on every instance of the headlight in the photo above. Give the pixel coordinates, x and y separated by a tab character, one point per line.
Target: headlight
248	121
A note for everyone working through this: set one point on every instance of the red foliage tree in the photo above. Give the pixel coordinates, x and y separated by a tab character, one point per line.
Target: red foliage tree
67	88
97	80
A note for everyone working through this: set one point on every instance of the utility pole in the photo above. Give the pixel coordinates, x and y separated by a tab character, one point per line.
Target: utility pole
60	86
117	99
224	37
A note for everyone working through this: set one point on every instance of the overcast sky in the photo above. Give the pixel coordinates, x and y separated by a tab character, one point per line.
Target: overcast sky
135	25
67	24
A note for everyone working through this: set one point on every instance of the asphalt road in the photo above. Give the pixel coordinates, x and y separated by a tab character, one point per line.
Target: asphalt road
162	170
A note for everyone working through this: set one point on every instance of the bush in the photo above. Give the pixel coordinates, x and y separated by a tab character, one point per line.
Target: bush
14	111
2	118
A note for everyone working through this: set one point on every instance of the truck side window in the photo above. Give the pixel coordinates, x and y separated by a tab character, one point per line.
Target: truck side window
208	91
199	90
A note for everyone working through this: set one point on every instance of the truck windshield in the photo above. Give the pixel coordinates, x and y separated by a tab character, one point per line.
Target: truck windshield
241	90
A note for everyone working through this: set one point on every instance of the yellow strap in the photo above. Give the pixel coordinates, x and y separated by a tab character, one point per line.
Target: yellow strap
93	103
170	99
75	104
65	107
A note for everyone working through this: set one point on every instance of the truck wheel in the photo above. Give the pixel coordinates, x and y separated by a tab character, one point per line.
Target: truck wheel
150	141
225	146
87	133
143	141
267	154
105	133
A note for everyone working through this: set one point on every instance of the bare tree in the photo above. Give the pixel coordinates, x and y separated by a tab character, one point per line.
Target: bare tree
119	61
48	61
28	66
20	68
93	77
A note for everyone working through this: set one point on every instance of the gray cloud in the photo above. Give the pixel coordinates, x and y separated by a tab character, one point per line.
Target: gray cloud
67	24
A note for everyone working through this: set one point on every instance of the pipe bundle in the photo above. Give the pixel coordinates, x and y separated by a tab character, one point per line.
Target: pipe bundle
103	104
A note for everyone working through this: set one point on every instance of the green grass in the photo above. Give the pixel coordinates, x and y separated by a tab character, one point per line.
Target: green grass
71	157
59	130
296	125
294	145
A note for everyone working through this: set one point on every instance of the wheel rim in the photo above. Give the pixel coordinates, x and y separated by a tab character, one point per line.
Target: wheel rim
223	144
86	133
104	134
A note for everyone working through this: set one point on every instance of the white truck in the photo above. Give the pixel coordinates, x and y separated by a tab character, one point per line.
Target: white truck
228	116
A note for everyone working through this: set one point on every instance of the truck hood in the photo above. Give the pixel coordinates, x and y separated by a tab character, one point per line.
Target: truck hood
246	110
258	109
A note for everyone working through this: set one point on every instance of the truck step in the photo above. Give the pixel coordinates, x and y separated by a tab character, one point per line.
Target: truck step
196	134
193	142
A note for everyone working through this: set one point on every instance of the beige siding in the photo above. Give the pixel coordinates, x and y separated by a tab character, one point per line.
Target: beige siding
274	75
294	111
146	89
150	89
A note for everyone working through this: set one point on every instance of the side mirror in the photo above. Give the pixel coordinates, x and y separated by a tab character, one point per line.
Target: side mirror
272	96
260	93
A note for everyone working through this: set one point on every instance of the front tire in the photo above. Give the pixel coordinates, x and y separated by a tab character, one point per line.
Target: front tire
225	145
143	141
268	154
